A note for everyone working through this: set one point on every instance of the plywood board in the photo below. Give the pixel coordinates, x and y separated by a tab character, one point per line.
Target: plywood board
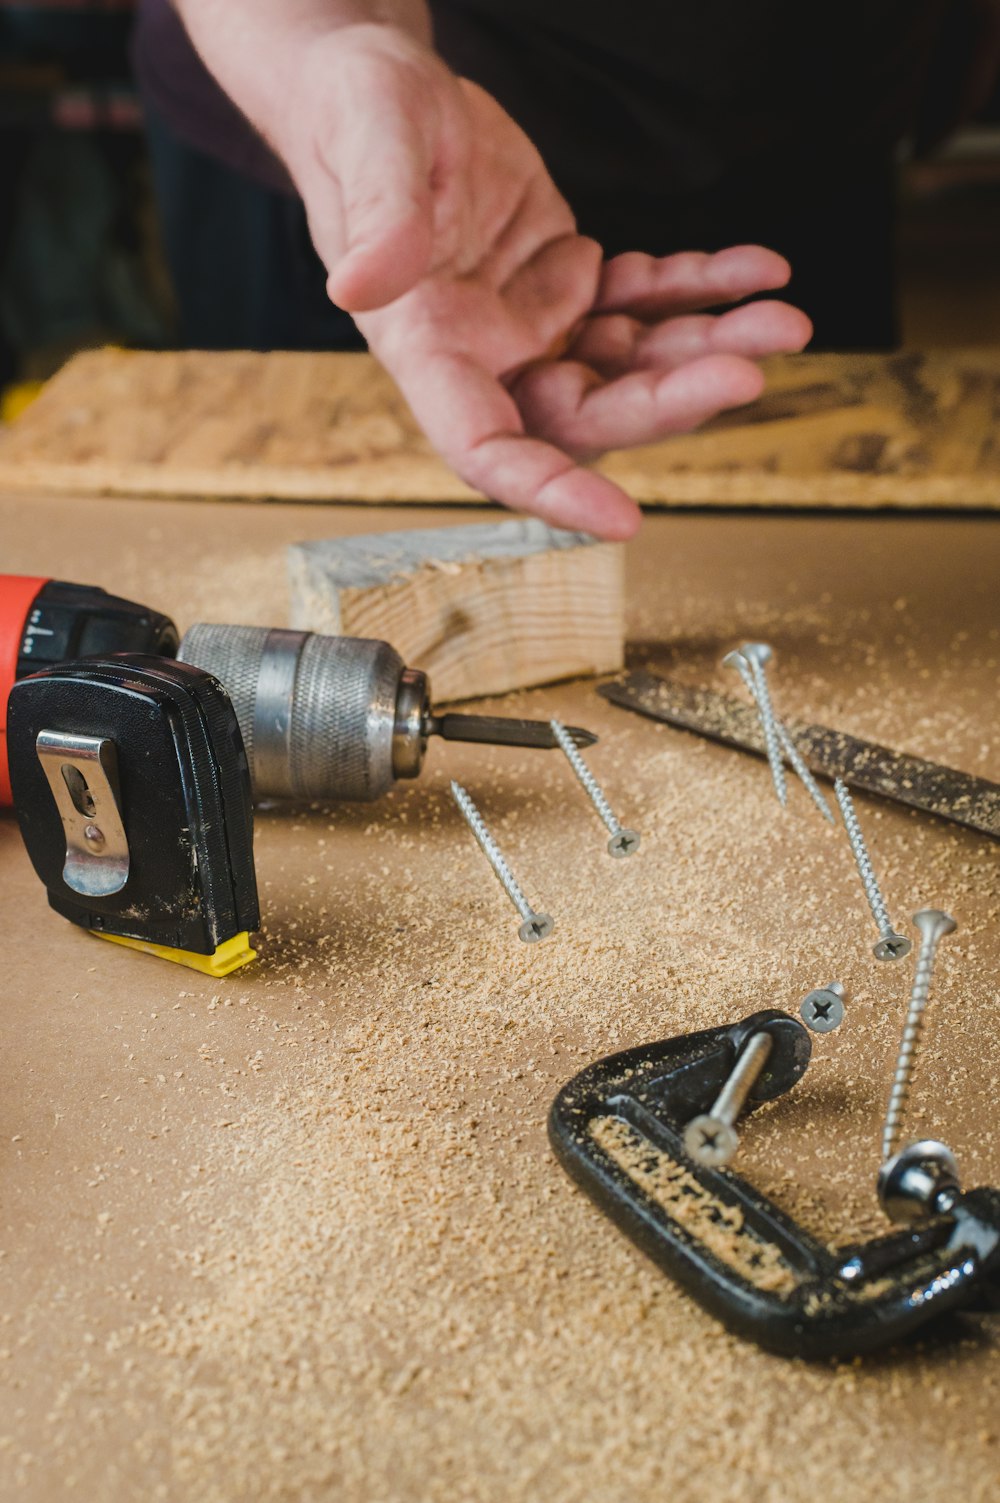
905	430
299	1234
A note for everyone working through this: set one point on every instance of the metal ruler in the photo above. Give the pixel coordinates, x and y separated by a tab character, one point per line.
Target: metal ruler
953	795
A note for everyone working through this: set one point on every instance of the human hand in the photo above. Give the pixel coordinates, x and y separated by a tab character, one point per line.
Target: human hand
521	352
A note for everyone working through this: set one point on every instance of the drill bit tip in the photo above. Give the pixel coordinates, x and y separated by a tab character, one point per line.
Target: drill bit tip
502	730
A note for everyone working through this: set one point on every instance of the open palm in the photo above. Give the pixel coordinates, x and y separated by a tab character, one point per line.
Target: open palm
521	351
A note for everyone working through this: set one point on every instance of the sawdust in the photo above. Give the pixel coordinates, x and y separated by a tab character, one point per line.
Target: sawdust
719	1227
299	1235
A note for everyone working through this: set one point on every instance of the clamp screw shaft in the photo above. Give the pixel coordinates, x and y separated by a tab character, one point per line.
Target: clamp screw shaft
623	842
890	945
933	925
535	926
711	1138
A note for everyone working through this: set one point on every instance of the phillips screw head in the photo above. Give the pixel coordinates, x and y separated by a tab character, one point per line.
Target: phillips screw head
538	926
624	842
759	652
823	1009
892	947
933	924
709	1141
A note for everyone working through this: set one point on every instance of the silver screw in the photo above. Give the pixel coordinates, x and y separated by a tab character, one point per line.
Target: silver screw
94	836
933	925
623	842
812	787
741	664
757	654
535	926
890	945
823	1009
711	1139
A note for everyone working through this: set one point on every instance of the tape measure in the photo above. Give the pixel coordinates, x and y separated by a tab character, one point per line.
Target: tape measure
48	621
132	791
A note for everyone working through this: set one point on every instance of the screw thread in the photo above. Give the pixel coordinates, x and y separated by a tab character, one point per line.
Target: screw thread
811	786
912	1028
742	666
765	710
862	859
491	850
591	786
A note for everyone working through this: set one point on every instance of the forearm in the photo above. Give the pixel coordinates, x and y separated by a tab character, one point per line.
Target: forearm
255	47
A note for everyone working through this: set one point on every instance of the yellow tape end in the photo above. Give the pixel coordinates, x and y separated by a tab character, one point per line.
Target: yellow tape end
230	955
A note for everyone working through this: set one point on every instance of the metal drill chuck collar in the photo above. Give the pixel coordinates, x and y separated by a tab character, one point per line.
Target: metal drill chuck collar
318	714
336	717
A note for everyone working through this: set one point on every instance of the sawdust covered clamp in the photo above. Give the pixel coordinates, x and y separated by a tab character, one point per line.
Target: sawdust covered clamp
618	1129
132	792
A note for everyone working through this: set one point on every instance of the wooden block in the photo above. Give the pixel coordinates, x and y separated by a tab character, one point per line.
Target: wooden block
481	609
908	430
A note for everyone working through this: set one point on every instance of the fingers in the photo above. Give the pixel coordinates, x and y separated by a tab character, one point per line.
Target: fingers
564	404
754	331
536	477
370	205
654	287
475	424
614	344
552	291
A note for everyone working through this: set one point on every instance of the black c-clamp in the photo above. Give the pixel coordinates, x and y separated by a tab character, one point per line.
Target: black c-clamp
617	1128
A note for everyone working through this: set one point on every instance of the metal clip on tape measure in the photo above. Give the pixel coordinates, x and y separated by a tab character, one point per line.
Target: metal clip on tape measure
132	791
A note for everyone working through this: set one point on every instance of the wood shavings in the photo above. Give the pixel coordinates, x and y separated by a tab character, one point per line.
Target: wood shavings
374	1284
721	1228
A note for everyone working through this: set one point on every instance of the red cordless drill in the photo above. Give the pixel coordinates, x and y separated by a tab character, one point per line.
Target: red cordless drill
46	621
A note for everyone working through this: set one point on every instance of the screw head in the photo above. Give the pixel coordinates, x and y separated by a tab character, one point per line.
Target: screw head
94	836
734	659
710	1142
757	652
823	1009
539	926
892	947
919	1182
624	843
934	923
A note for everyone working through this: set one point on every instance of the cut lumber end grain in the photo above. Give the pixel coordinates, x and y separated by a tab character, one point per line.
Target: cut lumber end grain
481	609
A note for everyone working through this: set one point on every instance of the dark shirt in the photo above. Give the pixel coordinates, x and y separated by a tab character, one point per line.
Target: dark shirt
668	124
176	84
642	95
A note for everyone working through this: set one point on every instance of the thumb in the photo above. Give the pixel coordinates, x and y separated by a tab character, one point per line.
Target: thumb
371	209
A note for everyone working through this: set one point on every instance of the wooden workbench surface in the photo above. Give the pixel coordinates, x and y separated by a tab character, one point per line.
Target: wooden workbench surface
298	1235
910	429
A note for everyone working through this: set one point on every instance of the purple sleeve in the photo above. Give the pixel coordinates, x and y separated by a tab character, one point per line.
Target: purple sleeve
175	83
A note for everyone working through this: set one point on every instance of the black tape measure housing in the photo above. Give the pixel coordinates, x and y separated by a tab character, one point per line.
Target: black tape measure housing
182	790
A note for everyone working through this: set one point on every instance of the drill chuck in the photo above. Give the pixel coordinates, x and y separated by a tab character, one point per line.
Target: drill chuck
321	717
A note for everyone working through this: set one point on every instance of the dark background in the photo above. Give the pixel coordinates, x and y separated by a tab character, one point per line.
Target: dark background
81	260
